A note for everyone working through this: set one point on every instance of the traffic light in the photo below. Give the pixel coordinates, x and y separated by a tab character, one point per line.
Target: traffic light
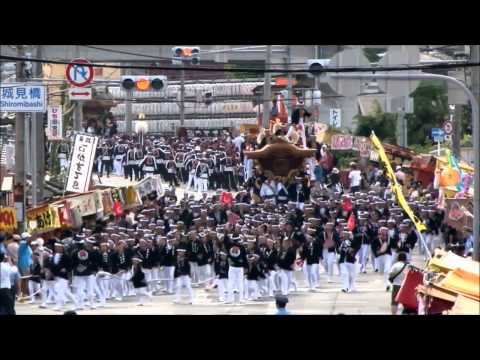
144	83
184	53
316	65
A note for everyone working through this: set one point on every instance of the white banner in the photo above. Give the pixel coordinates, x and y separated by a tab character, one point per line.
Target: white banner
18	97
55	122
80	171
335	118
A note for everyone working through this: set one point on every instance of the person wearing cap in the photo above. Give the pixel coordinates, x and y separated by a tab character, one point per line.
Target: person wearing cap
271	262
254	273
182	277
221	275
146	254
83	263
310	253
168	253
382	249
121	264
407	238
393	233
364	234
119	152
204	259
107	159
35	281
60	267
347	250
105	283
237	261
201	173
286	262
281	302
139	281
24	259
329	240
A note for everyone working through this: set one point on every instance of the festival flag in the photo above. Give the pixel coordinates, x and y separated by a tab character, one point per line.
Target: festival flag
396	189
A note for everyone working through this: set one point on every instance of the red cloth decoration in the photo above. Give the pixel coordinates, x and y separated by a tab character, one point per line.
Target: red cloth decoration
407	296
347	205
117	208
226	198
351	222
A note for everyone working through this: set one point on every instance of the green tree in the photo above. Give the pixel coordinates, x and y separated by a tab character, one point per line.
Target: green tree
430	110
383	124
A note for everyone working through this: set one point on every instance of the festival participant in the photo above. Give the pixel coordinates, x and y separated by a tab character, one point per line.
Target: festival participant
364	234
286	261
221	274
119	152
310	254
382	249
60	267
139	281
237	261
148	166
182	277
347	250
121	263
329	240
107	159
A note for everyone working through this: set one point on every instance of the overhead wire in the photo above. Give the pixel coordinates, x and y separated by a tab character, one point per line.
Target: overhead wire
266	70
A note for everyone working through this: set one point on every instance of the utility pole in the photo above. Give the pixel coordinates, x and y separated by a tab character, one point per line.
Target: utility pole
475	57
19	190
128	112
457	130
38	145
78	112
267	91
290	79
182	97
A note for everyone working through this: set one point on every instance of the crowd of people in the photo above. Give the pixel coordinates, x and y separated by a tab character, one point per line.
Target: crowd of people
245	246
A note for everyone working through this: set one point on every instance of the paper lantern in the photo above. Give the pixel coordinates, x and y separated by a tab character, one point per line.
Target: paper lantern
449	177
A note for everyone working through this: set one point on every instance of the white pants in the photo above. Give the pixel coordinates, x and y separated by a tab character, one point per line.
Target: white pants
168	273
348	274
82	283
272	282
142	294
329	259
235	282
33	287
284	277
118	168
62	291
119	285
291	281
384	263
203	273
263	287
104	285
365	250
183	282
222	286
312	275
48	291
252	290
300	205
148	279
202	185
194	272
191	184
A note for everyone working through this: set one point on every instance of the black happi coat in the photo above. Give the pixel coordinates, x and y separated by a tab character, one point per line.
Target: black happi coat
311	252
182	267
347	251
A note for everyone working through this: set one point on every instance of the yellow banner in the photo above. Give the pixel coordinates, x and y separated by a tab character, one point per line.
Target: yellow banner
396	188
8	219
42	219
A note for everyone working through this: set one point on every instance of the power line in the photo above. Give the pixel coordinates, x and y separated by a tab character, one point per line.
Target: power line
261	71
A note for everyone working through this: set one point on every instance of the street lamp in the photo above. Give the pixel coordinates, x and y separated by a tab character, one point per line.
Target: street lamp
141	127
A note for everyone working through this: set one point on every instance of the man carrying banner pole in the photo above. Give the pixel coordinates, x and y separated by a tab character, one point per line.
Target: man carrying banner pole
397	190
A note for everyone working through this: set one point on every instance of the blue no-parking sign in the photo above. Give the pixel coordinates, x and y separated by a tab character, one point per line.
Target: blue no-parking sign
438	134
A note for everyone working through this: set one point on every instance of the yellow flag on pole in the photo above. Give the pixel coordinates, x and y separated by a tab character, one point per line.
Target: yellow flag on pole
396	188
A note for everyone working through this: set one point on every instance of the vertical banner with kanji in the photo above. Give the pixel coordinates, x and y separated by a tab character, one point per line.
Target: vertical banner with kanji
55	123
83	155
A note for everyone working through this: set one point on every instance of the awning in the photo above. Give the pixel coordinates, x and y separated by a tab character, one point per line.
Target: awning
7	184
